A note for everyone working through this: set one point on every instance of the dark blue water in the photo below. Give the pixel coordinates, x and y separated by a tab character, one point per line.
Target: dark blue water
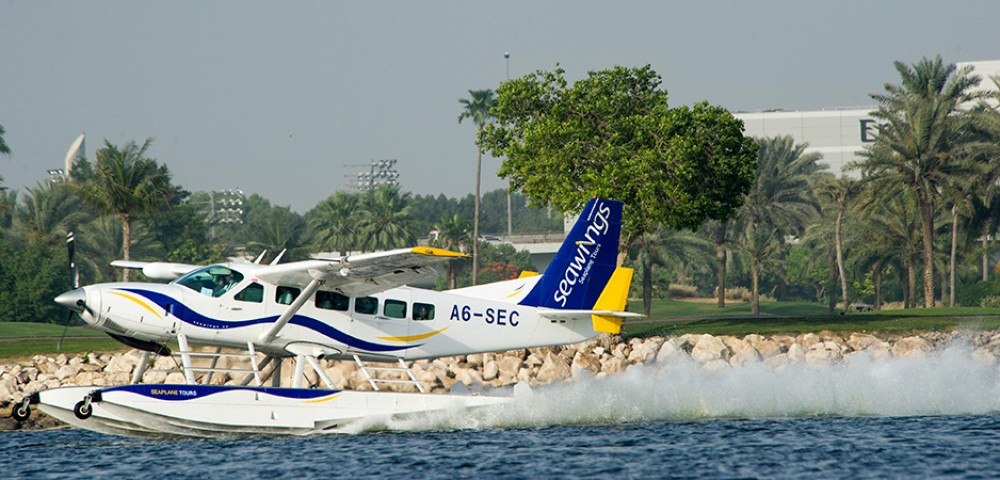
931	417
896	447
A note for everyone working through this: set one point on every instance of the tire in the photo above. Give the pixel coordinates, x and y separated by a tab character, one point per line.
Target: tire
21	412
83	410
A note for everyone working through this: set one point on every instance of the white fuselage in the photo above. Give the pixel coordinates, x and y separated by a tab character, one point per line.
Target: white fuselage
406	322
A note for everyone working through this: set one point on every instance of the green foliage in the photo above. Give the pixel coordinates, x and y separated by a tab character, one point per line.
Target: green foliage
3	145
31	275
919	149
972	295
612	134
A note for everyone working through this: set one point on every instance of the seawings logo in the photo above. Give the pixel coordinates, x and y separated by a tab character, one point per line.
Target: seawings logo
586	253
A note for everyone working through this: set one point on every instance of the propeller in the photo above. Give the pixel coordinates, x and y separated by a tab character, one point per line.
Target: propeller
74	274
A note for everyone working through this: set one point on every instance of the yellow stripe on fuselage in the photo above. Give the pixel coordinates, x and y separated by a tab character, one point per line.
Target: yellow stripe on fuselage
322	399
412	338
138	301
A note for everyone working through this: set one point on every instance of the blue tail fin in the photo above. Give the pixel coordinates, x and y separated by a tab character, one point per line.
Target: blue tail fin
584	263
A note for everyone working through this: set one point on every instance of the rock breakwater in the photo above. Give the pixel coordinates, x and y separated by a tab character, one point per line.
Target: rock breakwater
599	357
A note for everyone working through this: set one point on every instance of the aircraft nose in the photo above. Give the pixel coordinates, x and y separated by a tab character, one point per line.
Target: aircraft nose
74	299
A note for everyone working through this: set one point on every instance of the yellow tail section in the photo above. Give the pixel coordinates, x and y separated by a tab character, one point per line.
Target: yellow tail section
613	298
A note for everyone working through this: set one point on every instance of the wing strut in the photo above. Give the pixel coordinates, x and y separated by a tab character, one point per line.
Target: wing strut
292	309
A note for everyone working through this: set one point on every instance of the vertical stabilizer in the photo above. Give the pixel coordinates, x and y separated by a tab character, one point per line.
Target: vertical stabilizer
584	263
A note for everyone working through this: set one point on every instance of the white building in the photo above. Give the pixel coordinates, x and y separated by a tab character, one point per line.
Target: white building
839	134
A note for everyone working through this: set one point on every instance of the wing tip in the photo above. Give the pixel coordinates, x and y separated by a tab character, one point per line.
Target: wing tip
437	252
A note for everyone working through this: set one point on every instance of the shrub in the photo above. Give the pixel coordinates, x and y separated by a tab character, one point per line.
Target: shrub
676	290
990	301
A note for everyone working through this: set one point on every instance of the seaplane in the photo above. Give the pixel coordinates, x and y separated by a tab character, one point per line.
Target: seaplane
357	307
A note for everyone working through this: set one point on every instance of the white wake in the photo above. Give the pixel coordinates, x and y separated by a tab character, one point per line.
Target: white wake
947	382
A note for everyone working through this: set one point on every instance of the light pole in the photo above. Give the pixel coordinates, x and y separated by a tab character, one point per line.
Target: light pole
380	172
510	217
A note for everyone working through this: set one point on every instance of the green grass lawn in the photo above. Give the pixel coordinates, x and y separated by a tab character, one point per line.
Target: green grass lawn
669	317
43	338
672	317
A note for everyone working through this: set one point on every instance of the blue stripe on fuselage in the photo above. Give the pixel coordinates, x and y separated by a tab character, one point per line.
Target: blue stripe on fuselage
190	392
189	316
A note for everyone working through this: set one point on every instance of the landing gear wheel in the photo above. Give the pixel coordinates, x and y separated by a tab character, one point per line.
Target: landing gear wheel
83	410
21	411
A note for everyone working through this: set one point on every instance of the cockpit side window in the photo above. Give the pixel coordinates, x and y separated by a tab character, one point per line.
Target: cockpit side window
213	281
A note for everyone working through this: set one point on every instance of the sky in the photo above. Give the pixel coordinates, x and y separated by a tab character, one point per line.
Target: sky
285	99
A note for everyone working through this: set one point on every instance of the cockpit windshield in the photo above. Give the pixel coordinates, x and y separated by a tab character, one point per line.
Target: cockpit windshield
213	281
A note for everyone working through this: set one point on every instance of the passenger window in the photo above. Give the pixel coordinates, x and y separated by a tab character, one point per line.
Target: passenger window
423	311
286	295
394	309
253	293
331	301
366	305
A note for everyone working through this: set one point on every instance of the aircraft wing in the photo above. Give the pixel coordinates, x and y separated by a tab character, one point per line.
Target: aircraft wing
157	270
361	274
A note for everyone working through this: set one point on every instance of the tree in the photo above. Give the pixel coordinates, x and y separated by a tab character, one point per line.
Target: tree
334	223
760	248
384	221
48	213
3	146
275	229
613	135
782	192
31	274
3	143
839	192
892	234
661	247
453	234
126	182
780	202
923	126
477	108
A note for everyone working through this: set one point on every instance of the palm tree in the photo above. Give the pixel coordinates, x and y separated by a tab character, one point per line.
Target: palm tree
780	202
782	192
97	240
760	248
334	222
923	126
8	202
3	144
839	192
721	234
453	234
892	233
126	182
477	108
49	212
661	247
3	147
276	229
385	220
